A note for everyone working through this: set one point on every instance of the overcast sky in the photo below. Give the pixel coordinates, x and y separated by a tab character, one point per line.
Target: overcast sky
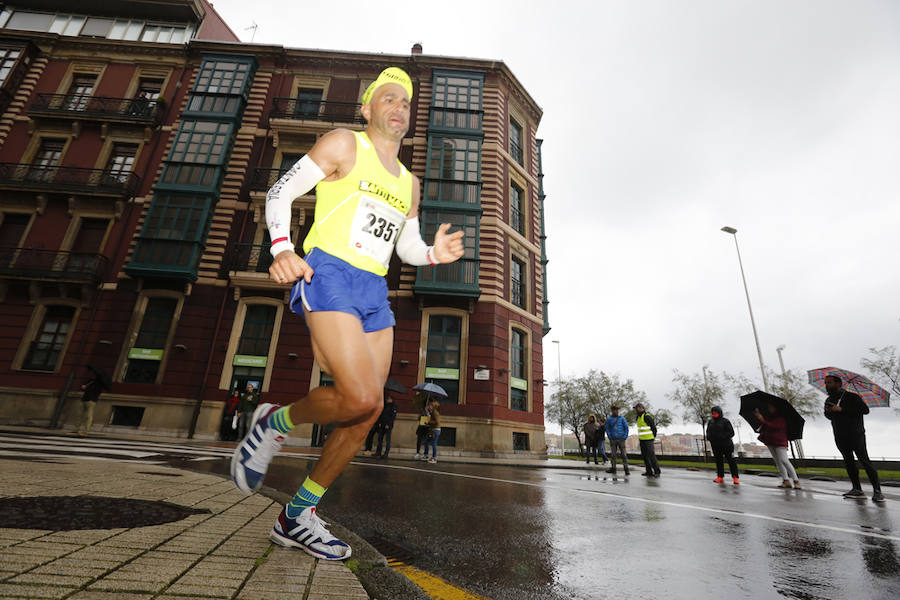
664	121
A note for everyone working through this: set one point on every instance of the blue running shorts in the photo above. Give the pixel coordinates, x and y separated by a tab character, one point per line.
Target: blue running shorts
339	286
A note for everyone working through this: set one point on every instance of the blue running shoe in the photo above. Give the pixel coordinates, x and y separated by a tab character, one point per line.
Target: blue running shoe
252	456
309	533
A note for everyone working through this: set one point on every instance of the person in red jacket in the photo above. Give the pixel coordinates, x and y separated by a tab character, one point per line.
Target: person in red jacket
773	434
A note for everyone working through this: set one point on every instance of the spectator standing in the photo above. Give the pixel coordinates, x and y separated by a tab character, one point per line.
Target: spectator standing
646	427
601	437
422	432
228	429
249	402
434	426
385	425
845	410
617	433
773	434
591	439
719	433
91	391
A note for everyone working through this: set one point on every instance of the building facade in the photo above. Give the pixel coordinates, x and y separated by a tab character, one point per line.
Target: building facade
137	143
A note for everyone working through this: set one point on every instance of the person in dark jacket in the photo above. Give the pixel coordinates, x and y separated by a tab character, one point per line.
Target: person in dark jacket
385	425
91	391
719	433
591	439
845	410
617	433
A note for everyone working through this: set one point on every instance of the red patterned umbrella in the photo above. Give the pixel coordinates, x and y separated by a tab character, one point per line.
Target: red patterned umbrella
872	394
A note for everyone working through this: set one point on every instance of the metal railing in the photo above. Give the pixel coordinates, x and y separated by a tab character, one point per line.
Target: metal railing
68	179
33	263
311	110
139	110
253	258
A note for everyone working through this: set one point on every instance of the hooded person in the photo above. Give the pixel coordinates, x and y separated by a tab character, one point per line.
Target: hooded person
719	433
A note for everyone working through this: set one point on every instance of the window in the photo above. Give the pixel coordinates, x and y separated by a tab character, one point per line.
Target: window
172	233
442	356
518	373
121	162
146	355
520	441
12	229
515	142
448	437
97	27
85	250
308	102
201	142
517	283
79	92
460	276
222	77
45	350
257	332
453	172
151	88
8	58
45	160
456	101
516	213
30	21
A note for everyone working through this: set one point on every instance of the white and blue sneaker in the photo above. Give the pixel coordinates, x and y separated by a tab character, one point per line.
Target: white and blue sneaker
252	456
309	533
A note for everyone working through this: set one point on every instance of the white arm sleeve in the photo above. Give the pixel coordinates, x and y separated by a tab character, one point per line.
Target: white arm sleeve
411	248
302	177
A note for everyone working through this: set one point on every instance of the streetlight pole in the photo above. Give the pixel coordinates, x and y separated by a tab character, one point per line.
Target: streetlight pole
762	367
780	358
562	438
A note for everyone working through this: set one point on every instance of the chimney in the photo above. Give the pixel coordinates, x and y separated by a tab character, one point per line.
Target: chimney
417	48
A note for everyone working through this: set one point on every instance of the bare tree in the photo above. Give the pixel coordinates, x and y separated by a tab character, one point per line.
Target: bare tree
791	385
567	406
884	366
697	393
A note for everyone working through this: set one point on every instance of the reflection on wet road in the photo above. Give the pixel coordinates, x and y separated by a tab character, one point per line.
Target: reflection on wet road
511	533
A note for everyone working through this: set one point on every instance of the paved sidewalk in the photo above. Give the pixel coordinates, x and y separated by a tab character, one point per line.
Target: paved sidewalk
220	551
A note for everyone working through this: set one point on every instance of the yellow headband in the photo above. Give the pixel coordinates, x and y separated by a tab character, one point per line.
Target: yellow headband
389	75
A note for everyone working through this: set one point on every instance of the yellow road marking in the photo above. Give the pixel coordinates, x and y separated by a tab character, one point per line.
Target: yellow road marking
434	586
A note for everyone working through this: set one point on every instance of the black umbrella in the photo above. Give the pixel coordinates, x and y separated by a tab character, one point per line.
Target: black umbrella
760	400
101	376
392	385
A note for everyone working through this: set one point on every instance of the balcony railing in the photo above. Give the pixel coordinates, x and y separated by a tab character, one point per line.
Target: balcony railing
325	110
137	110
68	179
263	179
253	258
31	263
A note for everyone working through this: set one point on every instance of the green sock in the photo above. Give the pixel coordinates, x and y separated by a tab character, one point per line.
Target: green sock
308	495
280	420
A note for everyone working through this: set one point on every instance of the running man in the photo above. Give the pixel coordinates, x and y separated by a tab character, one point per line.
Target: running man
367	206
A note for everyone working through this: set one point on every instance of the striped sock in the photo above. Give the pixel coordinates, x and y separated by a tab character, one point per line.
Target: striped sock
280	420
308	495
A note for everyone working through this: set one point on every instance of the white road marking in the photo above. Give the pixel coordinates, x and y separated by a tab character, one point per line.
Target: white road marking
81	449
77	457
696	507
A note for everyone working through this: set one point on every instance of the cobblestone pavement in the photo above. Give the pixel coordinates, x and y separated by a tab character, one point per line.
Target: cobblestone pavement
217	549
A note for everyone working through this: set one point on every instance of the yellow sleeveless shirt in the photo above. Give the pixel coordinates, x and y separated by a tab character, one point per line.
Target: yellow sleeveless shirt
359	217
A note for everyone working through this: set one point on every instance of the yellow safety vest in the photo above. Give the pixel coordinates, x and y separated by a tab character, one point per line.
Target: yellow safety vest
359	217
644	431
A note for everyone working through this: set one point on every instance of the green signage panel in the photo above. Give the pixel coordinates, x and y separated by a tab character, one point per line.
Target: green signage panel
441	373
146	353
519	384
246	360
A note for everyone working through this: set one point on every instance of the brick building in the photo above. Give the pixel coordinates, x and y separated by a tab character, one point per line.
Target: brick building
137	142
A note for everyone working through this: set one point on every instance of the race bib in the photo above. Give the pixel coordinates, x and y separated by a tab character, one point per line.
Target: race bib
375	229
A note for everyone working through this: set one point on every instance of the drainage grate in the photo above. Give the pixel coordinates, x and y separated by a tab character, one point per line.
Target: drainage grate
68	513
392	551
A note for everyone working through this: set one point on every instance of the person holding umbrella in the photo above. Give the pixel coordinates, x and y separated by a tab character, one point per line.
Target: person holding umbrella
845	410
773	433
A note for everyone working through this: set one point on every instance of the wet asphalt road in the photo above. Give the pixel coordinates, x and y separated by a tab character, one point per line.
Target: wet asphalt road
512	533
